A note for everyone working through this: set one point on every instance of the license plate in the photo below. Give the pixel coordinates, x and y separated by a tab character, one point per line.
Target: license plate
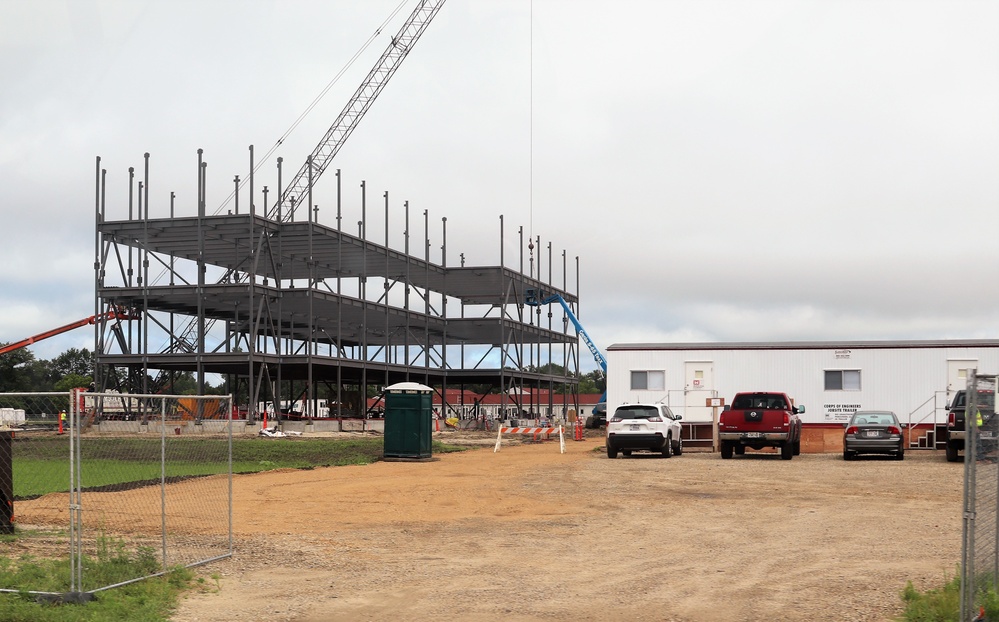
753	434
634	428
873	433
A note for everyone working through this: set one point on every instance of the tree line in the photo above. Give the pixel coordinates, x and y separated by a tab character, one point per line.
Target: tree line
22	372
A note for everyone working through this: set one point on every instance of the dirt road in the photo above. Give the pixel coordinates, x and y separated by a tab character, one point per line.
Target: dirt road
532	534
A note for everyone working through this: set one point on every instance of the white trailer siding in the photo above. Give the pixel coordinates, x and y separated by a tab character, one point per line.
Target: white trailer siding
11	416
914	379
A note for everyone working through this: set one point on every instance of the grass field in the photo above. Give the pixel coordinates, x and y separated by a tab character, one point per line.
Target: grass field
41	464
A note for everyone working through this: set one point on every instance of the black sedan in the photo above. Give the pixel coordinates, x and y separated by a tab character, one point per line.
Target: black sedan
873	432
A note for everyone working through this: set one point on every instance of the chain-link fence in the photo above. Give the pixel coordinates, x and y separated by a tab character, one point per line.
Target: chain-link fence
140	481
980	545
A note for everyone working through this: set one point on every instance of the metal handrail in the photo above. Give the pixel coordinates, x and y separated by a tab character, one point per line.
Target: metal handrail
932	413
932	398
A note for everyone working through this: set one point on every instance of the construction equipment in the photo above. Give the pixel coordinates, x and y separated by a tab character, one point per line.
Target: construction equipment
377	78
537	298
116	314
298	189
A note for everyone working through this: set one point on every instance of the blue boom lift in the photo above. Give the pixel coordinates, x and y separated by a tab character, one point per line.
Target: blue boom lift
537	298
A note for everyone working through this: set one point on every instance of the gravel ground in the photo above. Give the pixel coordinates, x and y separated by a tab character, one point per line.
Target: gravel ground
532	534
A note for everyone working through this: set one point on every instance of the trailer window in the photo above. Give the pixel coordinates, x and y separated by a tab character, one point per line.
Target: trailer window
842	379
648	380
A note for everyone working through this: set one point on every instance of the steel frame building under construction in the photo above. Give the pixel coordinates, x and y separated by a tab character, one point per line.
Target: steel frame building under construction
280	304
287	307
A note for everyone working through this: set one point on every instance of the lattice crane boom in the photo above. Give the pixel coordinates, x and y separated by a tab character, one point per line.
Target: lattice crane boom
397	50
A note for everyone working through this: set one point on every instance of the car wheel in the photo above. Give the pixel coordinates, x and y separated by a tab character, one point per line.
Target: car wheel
787	450
797	447
611	451
726	450
951	453
668	447
848	455
626	452
678	447
900	455
740	450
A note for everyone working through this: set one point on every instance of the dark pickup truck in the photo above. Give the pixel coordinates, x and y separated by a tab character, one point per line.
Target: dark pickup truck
758	420
956	428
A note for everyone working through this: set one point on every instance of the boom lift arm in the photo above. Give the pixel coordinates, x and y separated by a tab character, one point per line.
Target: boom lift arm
536	298
93	319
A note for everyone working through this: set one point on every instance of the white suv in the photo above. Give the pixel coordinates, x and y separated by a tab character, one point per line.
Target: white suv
651	427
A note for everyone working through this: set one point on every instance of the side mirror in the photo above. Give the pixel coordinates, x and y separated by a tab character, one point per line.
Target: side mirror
799	409
846	424
727	407
679	417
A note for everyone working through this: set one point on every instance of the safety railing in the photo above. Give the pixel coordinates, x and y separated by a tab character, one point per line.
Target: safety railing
934	417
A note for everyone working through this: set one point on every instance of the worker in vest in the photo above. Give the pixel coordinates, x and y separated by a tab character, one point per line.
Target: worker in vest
62	417
985	447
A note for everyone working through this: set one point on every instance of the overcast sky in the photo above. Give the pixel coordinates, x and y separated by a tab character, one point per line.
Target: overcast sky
725	170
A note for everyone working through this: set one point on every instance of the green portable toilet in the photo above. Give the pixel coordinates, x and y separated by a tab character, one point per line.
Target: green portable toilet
409	418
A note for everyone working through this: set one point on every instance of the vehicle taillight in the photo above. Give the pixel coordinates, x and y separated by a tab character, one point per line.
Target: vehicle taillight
893	430
950	420
655	419
852	429
617	420
721	418
787	418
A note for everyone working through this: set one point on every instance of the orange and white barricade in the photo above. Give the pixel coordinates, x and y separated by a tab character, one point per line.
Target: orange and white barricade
535	431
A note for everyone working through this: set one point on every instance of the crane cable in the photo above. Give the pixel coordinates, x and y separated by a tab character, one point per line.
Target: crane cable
315	102
530	215
301	117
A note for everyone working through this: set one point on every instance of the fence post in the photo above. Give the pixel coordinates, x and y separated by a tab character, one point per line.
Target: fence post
6	482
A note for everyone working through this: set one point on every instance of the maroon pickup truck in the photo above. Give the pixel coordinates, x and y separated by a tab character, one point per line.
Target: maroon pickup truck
758	420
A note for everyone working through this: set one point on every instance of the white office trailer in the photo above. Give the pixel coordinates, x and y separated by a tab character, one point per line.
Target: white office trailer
915	379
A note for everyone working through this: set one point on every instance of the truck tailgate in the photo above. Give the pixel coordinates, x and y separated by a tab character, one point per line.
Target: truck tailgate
760	420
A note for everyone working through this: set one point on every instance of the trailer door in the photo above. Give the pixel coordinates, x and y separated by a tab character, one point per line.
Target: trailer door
699	384
958	371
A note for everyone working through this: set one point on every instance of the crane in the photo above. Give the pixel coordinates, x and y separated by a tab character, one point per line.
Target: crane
537	298
115	314
373	84
363	97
